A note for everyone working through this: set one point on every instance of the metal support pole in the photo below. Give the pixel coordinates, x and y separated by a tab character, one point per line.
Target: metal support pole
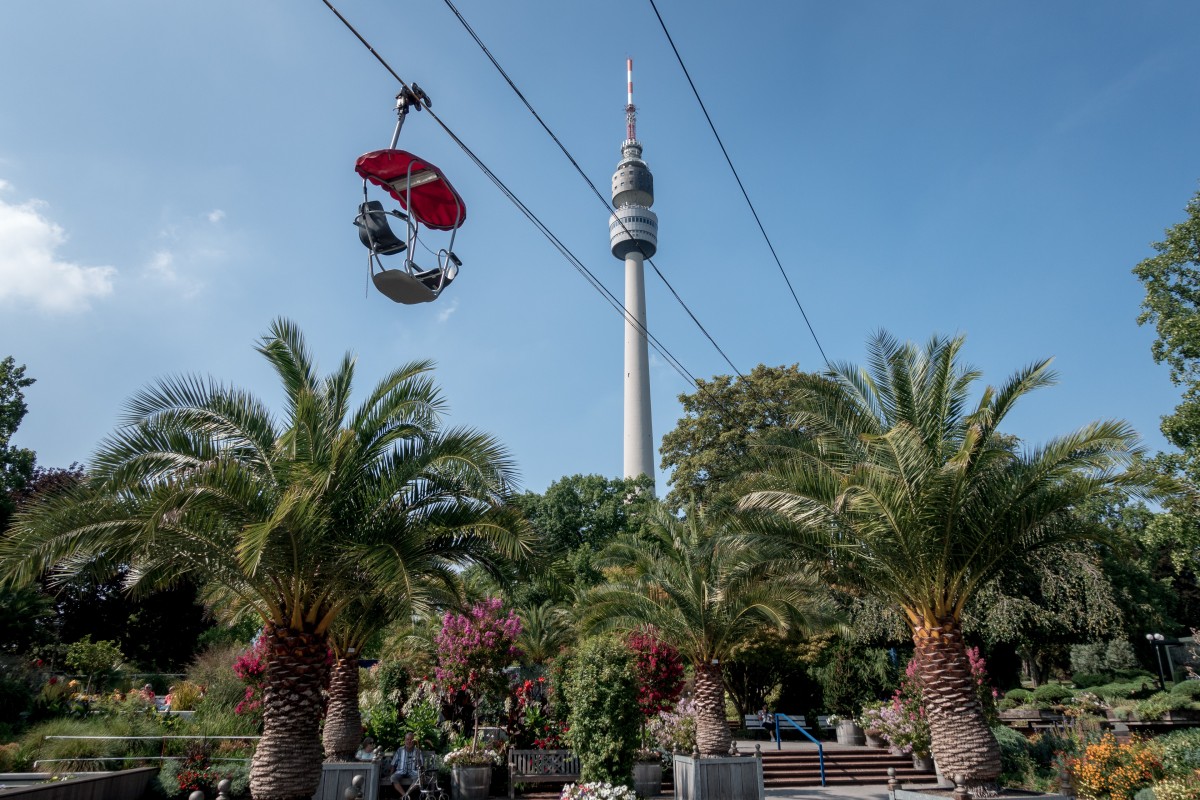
1155	640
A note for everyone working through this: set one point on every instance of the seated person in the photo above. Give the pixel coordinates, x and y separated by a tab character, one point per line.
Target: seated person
366	750
406	765
768	721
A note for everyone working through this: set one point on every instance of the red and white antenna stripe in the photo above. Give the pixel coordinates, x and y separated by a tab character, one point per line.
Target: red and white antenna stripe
629	73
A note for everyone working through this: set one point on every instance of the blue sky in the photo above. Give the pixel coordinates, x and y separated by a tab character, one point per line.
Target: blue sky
175	175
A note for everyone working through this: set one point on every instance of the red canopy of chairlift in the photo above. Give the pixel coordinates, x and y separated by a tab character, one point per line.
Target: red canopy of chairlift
435	203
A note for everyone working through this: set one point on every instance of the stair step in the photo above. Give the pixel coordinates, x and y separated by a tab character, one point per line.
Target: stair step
843	767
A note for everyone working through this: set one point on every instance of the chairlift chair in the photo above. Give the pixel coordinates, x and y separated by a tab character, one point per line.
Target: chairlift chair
422	191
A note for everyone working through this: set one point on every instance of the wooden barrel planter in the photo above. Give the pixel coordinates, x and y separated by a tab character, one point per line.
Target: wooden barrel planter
723	778
849	733
470	783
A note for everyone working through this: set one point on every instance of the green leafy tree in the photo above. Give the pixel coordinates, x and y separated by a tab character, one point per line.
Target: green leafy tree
706	590
16	463
96	660
916	493
852	676
1171	279
573	520
285	517
710	445
1172	304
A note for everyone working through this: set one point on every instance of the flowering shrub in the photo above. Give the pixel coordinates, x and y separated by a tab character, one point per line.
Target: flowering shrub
473	648
469	757
1111	771
675	731
470	645
871	719
1178	789
659	672
1084	704
902	721
984	690
596	791
195	773
251	667
529	720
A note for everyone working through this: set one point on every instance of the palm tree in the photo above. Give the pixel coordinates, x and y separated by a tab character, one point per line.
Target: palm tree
289	518
545	630
890	473
705	589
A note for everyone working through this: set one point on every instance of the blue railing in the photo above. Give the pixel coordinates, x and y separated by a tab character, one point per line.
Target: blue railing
782	718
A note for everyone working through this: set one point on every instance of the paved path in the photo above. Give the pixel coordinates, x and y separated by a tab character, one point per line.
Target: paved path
831	793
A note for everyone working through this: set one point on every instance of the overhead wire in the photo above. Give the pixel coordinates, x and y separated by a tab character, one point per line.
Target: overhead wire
531	216
607	205
750	385
741	186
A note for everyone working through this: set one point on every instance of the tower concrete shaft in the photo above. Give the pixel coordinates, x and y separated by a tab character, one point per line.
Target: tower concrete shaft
633	235
639	436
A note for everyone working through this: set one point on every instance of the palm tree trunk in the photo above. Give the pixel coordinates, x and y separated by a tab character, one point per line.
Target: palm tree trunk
287	763
343	723
963	743
712	732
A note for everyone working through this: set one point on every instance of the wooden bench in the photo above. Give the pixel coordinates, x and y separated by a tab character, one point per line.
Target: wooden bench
541	766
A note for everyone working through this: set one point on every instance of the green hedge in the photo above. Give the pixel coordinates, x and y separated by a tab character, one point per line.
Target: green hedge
604	720
1052	694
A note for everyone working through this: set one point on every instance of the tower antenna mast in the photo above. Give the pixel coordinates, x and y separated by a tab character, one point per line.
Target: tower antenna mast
630	108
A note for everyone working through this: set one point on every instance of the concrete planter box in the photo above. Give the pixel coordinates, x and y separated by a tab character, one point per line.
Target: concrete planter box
126	784
337	777
724	778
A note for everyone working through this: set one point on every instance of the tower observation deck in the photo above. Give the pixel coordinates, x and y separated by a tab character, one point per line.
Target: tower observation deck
633	237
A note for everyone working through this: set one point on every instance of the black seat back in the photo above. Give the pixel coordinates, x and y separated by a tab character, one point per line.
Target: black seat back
374	231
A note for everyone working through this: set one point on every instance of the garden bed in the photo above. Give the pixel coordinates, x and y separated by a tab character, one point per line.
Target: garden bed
941	794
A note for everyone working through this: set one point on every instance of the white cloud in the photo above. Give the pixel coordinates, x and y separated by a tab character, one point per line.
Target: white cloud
162	263
445	313
186	253
31	274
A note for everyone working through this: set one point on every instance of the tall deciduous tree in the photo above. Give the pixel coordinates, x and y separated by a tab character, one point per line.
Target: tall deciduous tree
1172	304
573	519
909	487
286	517
16	463
709	446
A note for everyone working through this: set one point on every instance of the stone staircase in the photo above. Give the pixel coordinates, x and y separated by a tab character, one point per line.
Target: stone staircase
793	769
844	766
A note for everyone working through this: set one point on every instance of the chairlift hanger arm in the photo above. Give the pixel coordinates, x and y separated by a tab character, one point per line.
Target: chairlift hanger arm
409	97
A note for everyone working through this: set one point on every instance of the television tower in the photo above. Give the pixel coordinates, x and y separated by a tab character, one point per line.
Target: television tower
633	234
